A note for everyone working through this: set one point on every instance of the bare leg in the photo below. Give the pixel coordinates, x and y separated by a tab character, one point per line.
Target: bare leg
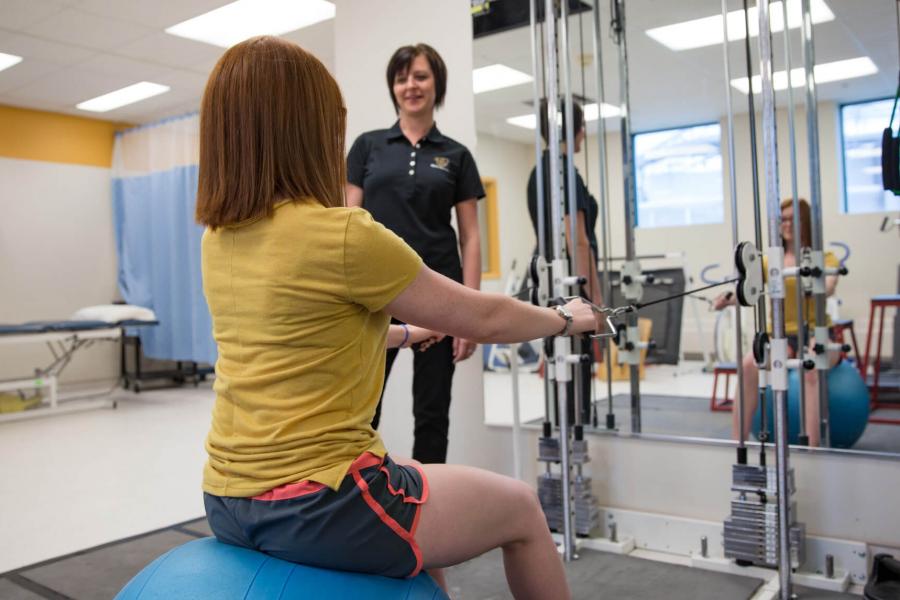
470	511
811	397
751	397
813	412
440	578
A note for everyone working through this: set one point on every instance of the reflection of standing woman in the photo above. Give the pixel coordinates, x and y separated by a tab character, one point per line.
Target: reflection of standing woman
409	177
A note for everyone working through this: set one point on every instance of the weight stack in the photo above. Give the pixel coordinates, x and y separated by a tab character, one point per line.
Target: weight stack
751	531
550	492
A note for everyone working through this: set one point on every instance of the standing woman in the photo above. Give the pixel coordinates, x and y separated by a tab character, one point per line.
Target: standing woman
410	177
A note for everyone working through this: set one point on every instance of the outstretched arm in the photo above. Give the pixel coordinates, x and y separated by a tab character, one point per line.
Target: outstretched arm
353	195
404	336
470	250
439	303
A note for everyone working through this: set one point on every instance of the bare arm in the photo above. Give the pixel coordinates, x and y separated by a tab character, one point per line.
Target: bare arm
353	195
587	262
436	302
470	250
831	282
397	336
469	242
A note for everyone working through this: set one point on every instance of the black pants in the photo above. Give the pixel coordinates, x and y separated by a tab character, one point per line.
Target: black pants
432	380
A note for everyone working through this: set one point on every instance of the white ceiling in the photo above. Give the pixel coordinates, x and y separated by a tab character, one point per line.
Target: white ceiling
78	49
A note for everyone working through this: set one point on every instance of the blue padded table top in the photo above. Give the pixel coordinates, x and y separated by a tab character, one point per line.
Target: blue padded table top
60	326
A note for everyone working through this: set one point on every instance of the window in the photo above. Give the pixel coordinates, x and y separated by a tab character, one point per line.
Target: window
861	127
678	175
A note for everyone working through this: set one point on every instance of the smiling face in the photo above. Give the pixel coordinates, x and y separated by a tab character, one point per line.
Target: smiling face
787	224
414	88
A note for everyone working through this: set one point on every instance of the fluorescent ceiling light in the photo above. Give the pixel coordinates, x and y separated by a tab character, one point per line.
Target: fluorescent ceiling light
708	30
824	73
235	22
495	77
126	95
8	60
590	114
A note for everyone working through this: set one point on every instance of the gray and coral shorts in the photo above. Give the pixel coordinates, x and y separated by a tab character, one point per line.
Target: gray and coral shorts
368	525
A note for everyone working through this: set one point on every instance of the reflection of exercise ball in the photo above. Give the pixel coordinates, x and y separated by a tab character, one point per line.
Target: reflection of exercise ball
208	570
848	407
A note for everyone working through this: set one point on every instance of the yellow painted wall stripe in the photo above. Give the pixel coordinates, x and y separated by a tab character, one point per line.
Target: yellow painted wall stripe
53	137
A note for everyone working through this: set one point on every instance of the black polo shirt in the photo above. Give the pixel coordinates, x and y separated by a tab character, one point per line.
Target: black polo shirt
411	189
584	202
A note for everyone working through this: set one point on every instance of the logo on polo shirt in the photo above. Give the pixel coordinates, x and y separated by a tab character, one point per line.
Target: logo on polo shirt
441	162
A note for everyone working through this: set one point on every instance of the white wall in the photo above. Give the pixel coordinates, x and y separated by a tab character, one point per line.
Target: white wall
367	33
838	496
510	163
57	254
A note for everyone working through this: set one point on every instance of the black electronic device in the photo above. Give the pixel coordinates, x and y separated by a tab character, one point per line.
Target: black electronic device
890	154
495	16
666	316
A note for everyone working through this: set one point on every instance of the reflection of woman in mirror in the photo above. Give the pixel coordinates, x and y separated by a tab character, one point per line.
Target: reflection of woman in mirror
586	205
585	244
410	178
791	327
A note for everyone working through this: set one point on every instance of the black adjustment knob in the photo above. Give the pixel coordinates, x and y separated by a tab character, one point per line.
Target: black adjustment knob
817	272
805	271
629	346
843	271
651	345
809	364
650	278
819	348
845	348
582	280
627	279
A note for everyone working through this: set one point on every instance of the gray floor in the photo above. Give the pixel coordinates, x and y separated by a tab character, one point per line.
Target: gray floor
600	575
690	416
99	573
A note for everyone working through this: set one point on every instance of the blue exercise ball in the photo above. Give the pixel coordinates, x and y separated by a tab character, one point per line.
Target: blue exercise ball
207	569
848	407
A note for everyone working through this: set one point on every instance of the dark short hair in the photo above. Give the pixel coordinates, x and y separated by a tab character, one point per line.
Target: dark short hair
403	58
272	125
577	118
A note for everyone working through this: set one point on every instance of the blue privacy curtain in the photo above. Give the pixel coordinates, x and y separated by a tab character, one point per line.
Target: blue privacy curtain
157	239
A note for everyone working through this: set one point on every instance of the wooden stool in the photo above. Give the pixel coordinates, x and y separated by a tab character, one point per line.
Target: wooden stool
878	302
726	369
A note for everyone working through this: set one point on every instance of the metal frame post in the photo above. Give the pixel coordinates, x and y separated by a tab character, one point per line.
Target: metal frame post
778	347
732	188
604	204
631	293
815	197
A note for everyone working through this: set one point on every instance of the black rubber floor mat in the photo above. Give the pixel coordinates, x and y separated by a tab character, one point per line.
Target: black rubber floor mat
599	575
102	572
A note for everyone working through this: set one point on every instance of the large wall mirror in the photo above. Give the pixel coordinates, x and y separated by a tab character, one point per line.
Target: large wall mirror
684	216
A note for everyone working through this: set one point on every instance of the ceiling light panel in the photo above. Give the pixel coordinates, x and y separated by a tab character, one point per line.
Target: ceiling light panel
495	77
590	114
127	95
824	73
8	60
235	22
707	31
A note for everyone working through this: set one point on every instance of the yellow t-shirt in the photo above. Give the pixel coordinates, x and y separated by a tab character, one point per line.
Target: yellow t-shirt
790	299
297	311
